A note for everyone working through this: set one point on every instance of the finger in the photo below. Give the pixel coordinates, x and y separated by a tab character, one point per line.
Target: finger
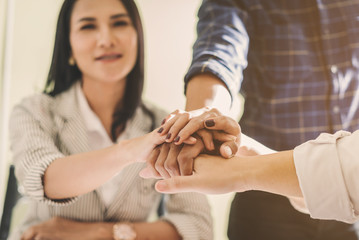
159	165
147	173
228	149
176	184
207	138
191	140
40	237
222	136
156	137
187	155
195	124
171	164
167	122
151	161
29	234
179	123
226	124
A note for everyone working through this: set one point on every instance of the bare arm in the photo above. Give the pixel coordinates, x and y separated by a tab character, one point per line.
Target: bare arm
273	173
207	90
81	173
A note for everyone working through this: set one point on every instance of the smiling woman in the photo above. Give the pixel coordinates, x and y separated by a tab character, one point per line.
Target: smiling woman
79	146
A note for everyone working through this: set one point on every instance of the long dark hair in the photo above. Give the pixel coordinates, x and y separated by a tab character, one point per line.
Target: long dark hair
62	75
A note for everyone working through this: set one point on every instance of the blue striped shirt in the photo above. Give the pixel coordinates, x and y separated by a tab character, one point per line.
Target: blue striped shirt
295	62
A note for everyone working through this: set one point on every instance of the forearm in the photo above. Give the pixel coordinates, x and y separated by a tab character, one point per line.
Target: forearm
81	173
207	90
273	173
159	230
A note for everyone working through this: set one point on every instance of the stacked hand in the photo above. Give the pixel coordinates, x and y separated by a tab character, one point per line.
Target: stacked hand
206	130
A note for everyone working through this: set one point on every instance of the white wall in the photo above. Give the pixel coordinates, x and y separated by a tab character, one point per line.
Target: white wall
169	32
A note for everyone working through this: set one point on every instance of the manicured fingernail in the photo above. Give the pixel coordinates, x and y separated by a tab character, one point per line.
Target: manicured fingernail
228	150
168	136
160	130
163	121
209	123
177	139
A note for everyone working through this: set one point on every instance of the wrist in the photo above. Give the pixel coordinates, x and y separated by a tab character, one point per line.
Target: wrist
104	230
124	154
246	176
207	90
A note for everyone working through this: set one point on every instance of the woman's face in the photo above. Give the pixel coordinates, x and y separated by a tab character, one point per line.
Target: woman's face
103	40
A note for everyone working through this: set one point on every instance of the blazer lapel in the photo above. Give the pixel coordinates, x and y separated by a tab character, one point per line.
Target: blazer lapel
72	131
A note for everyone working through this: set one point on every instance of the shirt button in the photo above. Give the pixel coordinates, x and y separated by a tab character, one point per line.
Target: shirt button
334	69
336	109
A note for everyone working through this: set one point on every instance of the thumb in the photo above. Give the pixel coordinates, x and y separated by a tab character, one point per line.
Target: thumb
156	138
175	184
228	149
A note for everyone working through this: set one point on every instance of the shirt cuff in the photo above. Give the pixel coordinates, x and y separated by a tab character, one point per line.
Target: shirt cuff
321	180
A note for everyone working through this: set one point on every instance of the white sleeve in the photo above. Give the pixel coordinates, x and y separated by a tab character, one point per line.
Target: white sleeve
327	170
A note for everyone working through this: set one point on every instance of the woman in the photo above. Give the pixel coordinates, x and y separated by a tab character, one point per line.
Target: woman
71	144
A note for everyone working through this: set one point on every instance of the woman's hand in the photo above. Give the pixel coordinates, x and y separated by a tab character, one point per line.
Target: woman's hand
140	148
181	125
220	134
60	228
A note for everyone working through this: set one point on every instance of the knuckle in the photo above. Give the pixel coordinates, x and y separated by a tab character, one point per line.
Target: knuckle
187	115
159	167
204	133
216	111
170	167
183	158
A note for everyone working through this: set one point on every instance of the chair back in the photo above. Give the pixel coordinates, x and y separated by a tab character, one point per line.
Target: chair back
11	197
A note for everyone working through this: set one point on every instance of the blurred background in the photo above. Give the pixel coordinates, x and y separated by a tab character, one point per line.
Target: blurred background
27	30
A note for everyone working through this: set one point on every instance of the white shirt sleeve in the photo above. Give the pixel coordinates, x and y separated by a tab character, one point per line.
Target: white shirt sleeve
328	173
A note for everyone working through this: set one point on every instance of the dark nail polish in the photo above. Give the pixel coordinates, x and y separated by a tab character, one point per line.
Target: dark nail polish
160	130
209	123
168	136
177	139
163	121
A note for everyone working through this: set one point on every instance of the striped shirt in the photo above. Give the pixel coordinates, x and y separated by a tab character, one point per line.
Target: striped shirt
295	62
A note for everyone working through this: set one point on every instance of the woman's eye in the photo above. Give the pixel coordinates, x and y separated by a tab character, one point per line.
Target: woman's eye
120	23
88	26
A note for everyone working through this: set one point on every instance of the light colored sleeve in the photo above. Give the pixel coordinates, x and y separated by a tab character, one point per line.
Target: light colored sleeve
328	173
32	140
191	215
